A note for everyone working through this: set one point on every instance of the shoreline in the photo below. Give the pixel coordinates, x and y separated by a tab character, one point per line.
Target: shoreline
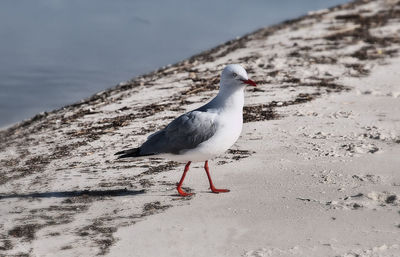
311	175
201	57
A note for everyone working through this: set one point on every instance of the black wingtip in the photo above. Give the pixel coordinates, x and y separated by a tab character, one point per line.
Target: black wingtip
120	152
135	152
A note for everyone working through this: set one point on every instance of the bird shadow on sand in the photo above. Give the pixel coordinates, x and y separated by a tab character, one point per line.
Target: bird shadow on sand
65	194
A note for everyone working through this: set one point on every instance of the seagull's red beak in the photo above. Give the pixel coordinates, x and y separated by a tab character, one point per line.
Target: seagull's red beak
249	82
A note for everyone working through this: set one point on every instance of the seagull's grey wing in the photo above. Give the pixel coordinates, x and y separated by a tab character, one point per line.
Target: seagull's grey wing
185	132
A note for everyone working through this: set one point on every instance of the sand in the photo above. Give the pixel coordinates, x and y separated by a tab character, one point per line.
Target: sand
314	173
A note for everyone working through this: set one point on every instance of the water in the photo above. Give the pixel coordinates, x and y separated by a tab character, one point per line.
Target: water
56	52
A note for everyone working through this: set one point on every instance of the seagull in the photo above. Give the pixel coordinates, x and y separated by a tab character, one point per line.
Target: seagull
204	133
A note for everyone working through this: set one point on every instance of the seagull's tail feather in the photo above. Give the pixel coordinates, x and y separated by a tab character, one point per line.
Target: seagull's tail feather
134	152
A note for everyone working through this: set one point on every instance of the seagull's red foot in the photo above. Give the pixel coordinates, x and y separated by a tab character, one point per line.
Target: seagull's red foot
179	187
183	193
215	190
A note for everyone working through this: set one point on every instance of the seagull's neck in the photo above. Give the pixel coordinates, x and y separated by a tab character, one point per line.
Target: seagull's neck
229	99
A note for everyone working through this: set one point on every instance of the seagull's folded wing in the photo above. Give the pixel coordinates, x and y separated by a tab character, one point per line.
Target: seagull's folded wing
185	132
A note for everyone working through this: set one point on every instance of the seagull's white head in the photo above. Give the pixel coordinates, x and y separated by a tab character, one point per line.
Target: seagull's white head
235	76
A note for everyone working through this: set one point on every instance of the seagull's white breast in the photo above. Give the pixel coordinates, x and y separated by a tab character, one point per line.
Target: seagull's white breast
228	131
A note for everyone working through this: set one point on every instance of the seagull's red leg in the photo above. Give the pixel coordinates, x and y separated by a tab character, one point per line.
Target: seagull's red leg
213	189
180	191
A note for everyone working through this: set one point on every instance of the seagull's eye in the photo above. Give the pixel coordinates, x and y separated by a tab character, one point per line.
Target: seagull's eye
234	75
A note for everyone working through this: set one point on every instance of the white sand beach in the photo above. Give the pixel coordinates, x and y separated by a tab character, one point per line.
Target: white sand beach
314	173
